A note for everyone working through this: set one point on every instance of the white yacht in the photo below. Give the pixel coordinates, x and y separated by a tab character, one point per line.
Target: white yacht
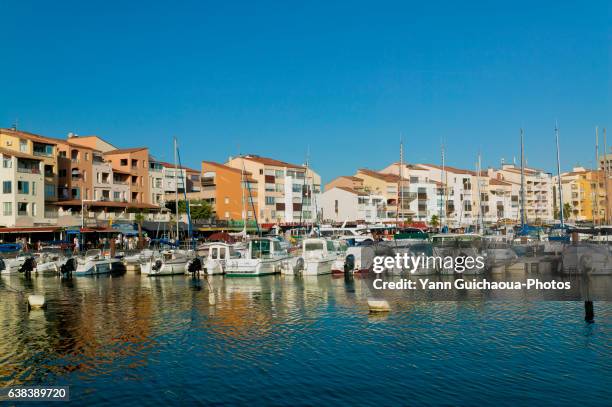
95	262
318	256
215	255
167	263
263	256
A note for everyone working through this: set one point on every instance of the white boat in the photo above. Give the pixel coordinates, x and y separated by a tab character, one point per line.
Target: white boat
263	256
49	263
595	259
457	246
317	257
94	263
167	263
358	235
215	255
13	265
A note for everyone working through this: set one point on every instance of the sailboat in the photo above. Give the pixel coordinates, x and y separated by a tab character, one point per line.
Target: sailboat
172	261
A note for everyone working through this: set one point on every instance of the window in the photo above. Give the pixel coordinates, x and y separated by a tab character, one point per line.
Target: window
296	188
86	156
23	146
269	200
62	173
279	187
7	208
226	200
7	187
23	187
34	188
123	162
22	209
279	173
227	215
49	190
7	161
116	195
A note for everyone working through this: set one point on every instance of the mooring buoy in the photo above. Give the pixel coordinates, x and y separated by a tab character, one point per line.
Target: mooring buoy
36	301
379	305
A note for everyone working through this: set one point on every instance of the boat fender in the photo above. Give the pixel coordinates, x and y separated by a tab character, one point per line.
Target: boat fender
299	265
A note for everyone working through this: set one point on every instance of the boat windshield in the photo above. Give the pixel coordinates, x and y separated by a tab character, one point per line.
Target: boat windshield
312	246
260	248
93	252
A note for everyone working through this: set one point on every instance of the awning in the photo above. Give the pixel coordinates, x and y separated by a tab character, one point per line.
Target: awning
42	229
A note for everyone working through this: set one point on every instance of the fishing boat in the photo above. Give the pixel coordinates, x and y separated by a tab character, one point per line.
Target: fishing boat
263	256
167	263
214	256
94	262
317	257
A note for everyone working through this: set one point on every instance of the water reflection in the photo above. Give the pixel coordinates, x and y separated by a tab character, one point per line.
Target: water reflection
135	338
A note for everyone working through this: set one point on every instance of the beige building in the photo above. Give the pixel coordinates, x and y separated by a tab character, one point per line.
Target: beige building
287	193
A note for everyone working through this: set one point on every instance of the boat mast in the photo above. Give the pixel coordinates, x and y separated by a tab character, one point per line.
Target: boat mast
605	174
176	189
560	189
522	181
480	214
244	213
400	184
596	200
443	194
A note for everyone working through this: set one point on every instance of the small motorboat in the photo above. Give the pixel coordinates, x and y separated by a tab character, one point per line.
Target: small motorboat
94	262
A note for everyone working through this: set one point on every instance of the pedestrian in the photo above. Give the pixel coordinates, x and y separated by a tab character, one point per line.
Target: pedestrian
76	244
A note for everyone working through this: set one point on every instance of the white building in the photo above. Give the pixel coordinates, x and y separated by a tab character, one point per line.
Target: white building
156	181
342	204
23	199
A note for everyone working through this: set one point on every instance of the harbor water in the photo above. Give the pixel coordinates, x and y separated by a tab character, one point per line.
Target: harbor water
284	340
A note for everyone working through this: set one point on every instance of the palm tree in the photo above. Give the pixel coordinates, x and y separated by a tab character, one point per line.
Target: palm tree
434	221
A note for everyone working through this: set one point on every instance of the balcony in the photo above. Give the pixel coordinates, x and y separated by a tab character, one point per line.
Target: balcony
28	170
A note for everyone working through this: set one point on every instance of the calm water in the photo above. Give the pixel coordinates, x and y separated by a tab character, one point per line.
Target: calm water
280	340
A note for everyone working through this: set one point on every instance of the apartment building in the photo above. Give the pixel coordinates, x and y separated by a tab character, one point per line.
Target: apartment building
156	181
131	161
539	203
345	181
38	146
232	192
585	192
422	195
286	193
344	204
23	200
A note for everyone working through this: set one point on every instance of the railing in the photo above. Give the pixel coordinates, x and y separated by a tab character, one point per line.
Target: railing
42	154
28	170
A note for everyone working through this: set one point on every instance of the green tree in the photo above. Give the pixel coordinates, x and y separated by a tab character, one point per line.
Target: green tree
567	210
435	221
198	208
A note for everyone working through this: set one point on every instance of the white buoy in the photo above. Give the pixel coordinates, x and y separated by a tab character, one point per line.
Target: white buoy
379	305
36	301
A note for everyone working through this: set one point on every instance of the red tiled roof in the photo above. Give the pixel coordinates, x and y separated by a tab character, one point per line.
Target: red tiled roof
378	175
494	181
225	167
351	190
126	150
29	136
270	161
450	169
170	165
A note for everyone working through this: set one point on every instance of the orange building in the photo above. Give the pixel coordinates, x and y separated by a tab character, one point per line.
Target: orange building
75	176
134	161
222	187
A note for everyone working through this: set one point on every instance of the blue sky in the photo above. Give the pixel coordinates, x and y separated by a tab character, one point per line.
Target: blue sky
343	79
